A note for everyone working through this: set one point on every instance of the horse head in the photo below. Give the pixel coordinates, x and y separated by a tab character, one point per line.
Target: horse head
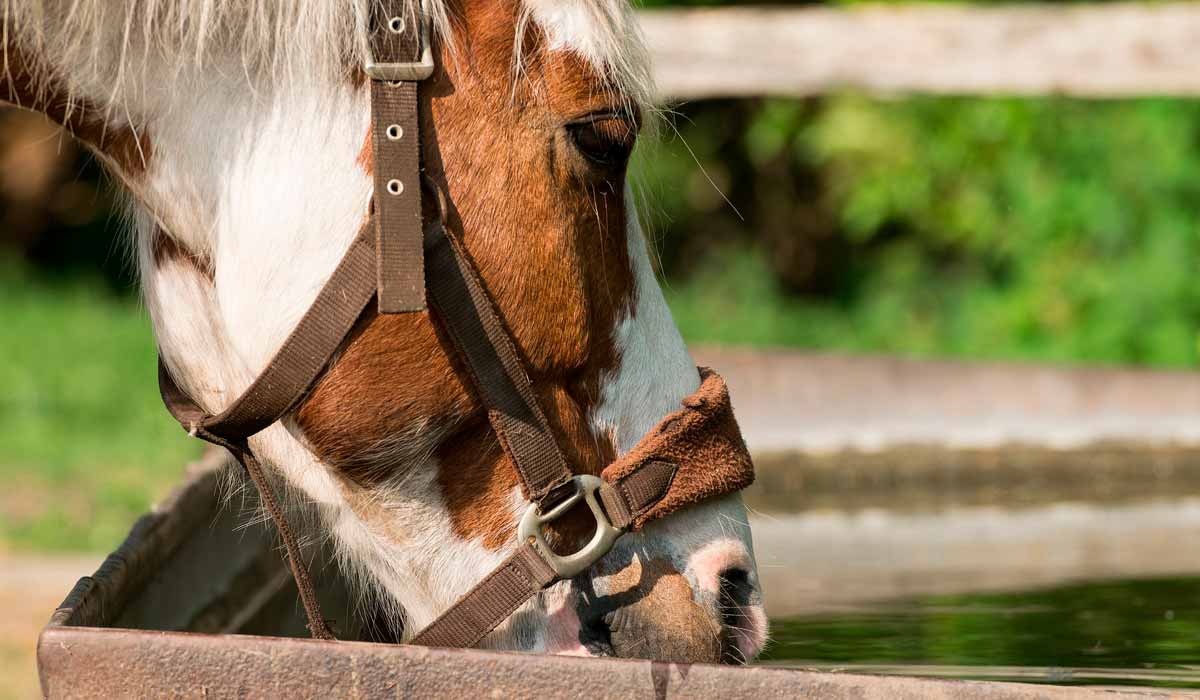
241	130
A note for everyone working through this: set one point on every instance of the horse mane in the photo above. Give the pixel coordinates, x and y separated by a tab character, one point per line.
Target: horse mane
611	41
283	39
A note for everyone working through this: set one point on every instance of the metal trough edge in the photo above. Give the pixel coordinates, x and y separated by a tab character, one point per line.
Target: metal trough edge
98	599
100	662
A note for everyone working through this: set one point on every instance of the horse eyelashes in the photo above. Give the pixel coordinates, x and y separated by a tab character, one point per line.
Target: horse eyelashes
605	142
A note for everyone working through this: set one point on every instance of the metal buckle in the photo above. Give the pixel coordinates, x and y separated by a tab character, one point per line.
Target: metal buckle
568	565
404	72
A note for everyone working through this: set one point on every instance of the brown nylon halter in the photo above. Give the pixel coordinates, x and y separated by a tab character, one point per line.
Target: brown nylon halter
692	455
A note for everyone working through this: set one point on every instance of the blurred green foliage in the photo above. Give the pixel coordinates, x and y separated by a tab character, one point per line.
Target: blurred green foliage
85	445
1036	229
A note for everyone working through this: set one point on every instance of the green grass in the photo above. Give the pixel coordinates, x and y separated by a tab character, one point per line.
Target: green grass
85	444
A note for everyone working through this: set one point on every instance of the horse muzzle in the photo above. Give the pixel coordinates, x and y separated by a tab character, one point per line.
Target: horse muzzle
709	613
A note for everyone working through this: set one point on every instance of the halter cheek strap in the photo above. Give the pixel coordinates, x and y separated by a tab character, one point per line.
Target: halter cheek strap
401	59
694	454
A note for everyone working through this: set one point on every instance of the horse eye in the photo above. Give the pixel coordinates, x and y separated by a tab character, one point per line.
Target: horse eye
605	140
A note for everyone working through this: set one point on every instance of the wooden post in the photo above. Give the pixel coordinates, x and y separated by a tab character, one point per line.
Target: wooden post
1118	50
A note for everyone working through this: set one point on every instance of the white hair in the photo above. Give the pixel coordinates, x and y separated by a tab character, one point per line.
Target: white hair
118	43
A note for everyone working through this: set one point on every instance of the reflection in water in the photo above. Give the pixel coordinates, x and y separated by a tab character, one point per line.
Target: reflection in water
1134	632
949	533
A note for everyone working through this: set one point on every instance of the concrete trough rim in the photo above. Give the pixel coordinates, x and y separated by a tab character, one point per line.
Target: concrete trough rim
107	662
817	402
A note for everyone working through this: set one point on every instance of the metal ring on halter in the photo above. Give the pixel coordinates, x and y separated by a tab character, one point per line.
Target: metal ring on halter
409	71
567	565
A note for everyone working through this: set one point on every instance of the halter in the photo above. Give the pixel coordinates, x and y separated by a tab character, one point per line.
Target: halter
398	260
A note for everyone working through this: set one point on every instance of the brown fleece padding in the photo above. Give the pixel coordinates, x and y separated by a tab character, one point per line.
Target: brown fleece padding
703	440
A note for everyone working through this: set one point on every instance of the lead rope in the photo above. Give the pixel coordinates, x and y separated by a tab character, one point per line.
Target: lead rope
318	626
199	425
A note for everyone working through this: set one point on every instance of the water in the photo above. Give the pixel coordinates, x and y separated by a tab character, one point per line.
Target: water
1076	570
1132	632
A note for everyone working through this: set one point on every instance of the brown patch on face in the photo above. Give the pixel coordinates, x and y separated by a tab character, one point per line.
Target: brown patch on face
366	156
127	151
652	614
547	232
168	250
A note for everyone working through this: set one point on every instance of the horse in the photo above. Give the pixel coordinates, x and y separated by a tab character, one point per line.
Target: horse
239	130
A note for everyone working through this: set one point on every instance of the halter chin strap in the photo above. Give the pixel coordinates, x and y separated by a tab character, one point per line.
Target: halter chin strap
694	454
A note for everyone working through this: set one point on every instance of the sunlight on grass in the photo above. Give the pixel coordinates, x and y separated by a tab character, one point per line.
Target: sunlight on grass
85	444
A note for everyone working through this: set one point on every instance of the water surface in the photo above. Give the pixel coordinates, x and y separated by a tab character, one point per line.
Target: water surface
1016	563
1126	632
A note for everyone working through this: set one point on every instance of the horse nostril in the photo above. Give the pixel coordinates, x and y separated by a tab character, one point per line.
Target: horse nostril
596	635
735	587
736	593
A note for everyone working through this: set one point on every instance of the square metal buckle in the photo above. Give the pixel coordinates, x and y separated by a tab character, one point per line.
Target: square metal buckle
404	72
569	565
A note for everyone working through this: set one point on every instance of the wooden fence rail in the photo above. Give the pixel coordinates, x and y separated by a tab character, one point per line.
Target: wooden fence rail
1111	50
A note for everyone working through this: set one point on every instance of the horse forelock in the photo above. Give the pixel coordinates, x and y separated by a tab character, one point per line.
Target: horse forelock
121	47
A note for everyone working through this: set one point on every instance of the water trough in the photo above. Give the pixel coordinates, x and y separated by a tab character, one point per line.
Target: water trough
879	479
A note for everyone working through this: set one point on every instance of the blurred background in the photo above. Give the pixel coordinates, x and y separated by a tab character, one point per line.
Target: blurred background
1048	230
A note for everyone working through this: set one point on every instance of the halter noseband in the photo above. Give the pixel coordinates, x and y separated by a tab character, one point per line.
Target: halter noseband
692	455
